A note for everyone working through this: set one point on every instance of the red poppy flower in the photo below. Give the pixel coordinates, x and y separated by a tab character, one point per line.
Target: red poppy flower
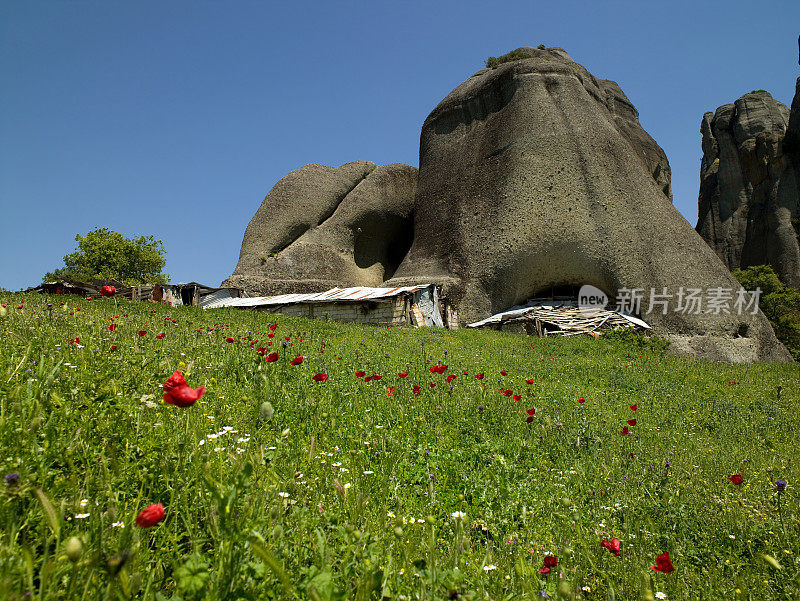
633	407
625	430
612	545
88	298
530	413
160	336
270	335
479	376
229	339
376	377
74	340
177	392
112	327
261	350
402	374
663	564
108	291
736	479
465	372
529	381
296	361
517	397
142	333
507	392
253	342
361	374
271	358
390	391
504	373
433	384
581	400
320	378
631	422
549	562
150	516
450	378
417	390
273	326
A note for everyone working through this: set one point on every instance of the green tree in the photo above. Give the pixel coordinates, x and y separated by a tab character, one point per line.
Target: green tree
104	255
780	303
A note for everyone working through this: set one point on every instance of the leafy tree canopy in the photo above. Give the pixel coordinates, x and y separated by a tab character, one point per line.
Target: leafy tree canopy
780	303
104	255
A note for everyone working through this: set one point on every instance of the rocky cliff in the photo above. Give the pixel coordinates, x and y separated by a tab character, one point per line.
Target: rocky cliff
322	227
537	174
748	202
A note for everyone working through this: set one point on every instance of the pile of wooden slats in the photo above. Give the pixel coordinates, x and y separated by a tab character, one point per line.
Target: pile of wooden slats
548	320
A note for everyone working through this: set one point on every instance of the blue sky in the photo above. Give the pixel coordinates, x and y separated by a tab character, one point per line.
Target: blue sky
174	119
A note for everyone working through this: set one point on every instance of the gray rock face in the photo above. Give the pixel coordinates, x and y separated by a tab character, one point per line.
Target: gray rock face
322	227
748	202
536	174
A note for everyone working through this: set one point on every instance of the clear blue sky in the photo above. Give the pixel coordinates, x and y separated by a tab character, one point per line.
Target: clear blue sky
175	118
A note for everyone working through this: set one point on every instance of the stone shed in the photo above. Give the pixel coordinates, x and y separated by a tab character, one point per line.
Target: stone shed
407	305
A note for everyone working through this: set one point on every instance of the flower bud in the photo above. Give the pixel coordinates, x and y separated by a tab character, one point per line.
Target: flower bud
74	549
266	410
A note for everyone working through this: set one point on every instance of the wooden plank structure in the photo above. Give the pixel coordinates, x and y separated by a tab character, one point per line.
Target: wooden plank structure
560	320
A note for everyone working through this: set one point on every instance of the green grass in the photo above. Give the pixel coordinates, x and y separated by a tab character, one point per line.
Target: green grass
371	480
495	61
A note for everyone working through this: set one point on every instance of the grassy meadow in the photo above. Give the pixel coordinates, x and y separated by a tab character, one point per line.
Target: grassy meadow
279	486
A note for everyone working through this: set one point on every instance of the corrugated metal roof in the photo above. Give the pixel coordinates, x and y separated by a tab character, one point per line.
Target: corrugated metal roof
335	295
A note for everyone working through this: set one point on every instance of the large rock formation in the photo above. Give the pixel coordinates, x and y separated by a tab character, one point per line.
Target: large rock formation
536	174
748	203
322	227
